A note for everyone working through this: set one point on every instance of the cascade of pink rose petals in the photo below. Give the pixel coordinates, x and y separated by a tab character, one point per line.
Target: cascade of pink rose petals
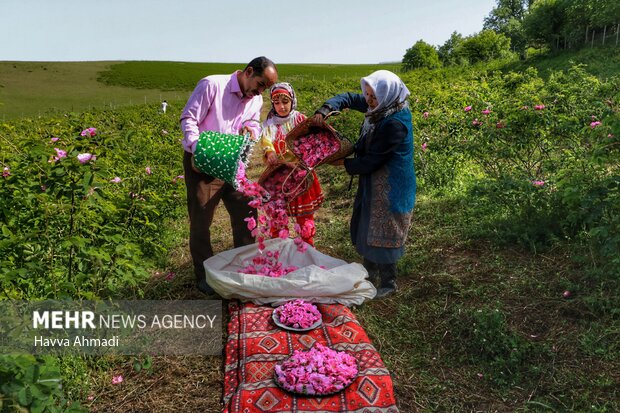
320	370
272	217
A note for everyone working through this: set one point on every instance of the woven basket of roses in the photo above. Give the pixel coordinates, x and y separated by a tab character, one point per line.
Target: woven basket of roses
316	145
286	181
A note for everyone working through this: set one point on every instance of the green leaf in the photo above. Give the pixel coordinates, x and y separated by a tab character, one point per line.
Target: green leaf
24	396
137	366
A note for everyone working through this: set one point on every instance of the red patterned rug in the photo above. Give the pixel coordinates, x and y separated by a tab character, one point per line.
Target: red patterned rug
255	345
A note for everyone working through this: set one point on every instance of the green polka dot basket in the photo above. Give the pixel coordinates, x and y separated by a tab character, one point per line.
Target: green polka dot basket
219	154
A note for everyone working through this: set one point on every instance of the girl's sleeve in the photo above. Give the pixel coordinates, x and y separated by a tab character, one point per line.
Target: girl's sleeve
347	100
386	139
299	117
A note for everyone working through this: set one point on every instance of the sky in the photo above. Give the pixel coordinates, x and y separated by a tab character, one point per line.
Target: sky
318	31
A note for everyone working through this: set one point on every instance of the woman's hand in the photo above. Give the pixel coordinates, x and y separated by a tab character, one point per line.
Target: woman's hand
318	120
272	158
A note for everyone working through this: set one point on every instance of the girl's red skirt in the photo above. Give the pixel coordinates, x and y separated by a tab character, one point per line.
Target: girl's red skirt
309	201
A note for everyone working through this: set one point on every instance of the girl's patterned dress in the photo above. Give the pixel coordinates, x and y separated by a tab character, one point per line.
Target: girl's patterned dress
273	139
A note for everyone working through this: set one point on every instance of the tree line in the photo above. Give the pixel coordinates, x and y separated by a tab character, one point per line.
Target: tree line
514	26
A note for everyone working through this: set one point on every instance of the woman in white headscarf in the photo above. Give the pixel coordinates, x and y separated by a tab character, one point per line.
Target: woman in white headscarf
384	163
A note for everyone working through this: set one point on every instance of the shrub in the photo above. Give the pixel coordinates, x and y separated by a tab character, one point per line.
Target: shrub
421	55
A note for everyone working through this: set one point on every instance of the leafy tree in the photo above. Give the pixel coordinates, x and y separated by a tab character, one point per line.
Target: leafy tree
484	46
505	11
543	23
420	55
506	18
448	52
569	23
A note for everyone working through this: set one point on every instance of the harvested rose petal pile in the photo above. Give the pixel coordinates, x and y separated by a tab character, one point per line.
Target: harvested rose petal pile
313	148
267	264
320	370
298	314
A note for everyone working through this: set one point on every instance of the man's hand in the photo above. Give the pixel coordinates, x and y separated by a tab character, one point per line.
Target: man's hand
245	130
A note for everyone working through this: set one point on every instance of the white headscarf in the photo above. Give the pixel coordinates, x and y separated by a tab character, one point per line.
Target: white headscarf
388	88
391	94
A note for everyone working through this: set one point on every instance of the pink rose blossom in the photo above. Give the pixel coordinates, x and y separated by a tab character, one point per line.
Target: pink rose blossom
60	153
89	132
424	147
467	108
486	111
539	107
84	158
6	172
595	124
148	170
425	115
251	223
54	139
116	180
170	276
500	125
117	379
538	184
476	122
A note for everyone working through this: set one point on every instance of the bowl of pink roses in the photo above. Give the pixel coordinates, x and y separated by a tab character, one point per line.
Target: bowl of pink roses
319	371
297	315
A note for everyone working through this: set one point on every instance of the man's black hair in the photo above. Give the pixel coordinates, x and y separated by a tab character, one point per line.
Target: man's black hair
259	64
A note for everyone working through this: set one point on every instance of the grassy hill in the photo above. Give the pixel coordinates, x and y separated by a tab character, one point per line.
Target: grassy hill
39	88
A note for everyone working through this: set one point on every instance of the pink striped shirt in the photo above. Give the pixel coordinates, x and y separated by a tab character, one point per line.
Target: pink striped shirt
218	104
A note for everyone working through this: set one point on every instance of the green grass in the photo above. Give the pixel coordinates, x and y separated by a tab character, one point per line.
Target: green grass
31	89
183	76
603	62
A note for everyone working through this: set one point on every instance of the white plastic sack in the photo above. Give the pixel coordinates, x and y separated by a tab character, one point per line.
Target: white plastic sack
340	282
